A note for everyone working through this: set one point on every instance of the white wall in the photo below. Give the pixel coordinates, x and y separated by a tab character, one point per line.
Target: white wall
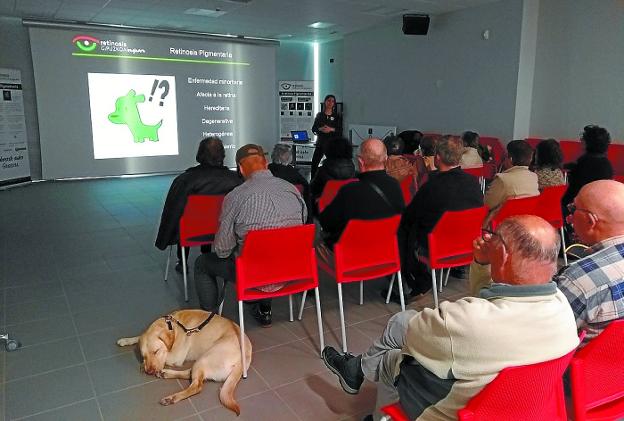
331	72
447	81
579	69
295	61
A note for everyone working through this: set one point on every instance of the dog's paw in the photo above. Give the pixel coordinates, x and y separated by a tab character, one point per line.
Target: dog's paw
167	400
127	341
160	374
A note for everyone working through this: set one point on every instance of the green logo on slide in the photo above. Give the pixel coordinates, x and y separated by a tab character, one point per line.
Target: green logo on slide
85	43
126	112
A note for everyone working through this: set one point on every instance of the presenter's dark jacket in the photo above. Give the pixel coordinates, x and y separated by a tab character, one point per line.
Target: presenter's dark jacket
202	179
358	200
323	119
332	169
290	174
589	167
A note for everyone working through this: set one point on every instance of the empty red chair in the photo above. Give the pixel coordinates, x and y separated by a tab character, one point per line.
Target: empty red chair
615	153
549	208
367	249
478	172
597	376
533	141
450	243
571	150
513	207
260	265
330	191
198	226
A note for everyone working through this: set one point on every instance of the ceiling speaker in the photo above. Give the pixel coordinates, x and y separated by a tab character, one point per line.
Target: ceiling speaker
415	24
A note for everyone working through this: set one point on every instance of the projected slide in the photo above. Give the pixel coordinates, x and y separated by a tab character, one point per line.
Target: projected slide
133	115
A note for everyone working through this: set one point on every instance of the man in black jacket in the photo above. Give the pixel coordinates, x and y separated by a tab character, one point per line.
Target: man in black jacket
376	194
448	189
281	167
210	177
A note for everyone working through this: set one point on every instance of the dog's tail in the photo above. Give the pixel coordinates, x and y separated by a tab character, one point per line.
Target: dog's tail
226	394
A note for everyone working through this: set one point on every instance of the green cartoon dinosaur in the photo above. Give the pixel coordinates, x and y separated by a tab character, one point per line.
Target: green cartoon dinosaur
126	112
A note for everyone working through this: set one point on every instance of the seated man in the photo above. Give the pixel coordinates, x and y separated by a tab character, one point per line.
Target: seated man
433	361
448	189
282	167
262	201
209	177
376	194
517	180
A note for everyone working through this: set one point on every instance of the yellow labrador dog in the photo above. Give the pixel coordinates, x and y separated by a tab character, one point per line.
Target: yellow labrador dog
208	339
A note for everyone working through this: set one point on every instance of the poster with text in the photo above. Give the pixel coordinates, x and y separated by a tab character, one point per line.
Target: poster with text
133	115
296	106
14	163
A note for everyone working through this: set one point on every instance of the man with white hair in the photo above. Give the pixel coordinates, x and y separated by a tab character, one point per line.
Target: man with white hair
281	167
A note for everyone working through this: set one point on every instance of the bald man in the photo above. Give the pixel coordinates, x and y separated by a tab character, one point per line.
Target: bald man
262	201
376	194
594	284
433	361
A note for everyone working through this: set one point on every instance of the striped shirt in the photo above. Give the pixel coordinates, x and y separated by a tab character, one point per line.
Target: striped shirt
262	201
594	286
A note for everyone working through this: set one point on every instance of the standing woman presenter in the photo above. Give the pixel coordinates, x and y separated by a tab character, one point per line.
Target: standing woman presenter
327	126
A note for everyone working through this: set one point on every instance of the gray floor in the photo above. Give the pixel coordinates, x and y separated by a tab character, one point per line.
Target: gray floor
78	270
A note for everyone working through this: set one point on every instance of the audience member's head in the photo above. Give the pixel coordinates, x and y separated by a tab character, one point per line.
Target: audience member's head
428	146
411	140
282	154
372	156
596	139
449	151
470	139
394	145
548	155
250	159
339	148
210	152
597	212
520	152
523	251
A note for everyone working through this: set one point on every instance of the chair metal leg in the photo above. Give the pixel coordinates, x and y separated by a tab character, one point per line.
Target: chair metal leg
303	298
290	309
241	323
319	318
168	260
390	288
401	297
435	288
343	329
441	279
184	274
221	307
361	292
448	272
563	246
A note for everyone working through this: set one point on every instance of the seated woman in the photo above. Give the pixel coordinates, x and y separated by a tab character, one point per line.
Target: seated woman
398	166
548	164
471	157
338	165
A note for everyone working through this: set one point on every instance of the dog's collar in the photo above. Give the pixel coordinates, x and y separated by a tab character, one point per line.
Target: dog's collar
169	318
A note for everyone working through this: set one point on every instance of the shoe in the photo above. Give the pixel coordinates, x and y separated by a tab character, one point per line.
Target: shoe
460	272
178	268
346	367
263	317
369	417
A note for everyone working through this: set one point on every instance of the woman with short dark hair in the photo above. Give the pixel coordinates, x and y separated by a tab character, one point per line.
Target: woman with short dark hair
548	164
327	126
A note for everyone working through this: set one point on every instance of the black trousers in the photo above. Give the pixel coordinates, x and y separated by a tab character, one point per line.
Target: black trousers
319	151
414	273
204	249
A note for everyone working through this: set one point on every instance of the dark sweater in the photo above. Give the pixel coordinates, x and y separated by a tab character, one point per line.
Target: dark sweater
358	200
588	168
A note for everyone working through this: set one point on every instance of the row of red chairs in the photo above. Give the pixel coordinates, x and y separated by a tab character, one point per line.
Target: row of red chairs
535	392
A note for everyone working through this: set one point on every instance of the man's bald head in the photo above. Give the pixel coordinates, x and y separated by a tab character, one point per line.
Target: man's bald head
600	211
373	155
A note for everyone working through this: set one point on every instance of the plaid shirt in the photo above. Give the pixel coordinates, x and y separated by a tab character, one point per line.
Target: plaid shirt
594	286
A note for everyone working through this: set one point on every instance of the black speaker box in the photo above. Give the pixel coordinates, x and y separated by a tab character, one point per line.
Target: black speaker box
415	24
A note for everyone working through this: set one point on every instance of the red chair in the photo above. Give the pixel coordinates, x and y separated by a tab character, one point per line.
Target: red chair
330	190
259	265
533	141
498	155
619	178
513	207
394	412
571	149
549	208
407	184
615	153
198	226
299	188
478	172
450	243
597	376
366	250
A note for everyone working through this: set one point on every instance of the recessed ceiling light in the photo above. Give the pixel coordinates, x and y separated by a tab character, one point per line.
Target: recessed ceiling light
321	25
205	12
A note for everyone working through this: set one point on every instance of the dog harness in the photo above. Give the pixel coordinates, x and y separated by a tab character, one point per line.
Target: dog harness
169	318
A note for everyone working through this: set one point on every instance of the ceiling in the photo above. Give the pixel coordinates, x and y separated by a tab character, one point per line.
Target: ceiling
281	19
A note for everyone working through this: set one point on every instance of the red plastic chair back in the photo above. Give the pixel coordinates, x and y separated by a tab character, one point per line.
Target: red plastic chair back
549	206
533	141
367	249
597	376
498	151
513	207
330	191
395	412
619	178
450	241
407	184
475	171
615	153
200	220
276	255
528	393
571	150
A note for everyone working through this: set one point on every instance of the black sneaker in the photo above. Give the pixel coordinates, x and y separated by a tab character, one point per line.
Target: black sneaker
346	367
178	268
263	317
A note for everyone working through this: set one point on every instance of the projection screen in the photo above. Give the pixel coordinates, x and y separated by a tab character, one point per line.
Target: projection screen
114	103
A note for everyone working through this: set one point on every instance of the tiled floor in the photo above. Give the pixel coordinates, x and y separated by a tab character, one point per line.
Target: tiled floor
78	269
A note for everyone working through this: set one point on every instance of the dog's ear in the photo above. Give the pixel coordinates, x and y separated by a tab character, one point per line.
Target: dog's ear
167	337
